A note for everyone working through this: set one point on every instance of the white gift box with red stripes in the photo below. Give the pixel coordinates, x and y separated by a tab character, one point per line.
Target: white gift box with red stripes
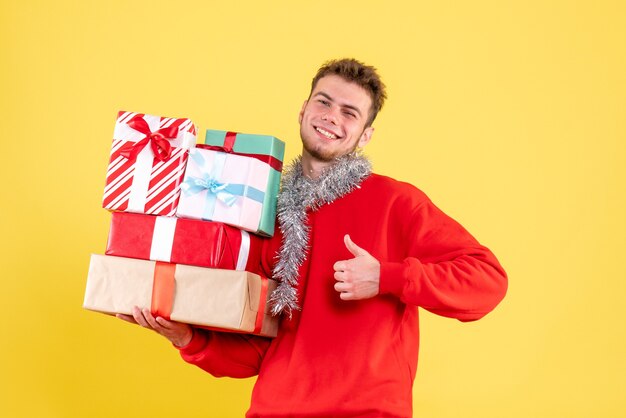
147	164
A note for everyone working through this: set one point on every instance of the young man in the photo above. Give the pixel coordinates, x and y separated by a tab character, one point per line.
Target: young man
357	254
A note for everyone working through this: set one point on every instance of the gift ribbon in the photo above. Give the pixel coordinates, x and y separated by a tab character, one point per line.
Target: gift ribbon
163	243
258	324
158	140
229	141
225	192
244	251
163	238
222	191
163	289
163	286
229	144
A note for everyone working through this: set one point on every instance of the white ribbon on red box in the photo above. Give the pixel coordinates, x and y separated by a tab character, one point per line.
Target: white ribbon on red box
163	240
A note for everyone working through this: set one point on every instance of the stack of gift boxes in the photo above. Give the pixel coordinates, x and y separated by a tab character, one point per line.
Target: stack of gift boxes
187	225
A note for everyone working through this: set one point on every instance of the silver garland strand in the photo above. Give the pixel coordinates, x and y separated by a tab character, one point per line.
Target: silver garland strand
297	194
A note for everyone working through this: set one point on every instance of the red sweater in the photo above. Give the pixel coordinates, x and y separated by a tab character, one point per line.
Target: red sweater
338	358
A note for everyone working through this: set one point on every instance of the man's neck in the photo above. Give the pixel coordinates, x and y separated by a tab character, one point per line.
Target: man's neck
311	167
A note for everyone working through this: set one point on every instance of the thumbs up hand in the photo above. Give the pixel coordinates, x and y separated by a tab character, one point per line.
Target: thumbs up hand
359	277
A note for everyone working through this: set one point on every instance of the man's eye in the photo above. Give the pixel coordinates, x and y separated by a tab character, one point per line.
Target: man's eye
350	114
324	102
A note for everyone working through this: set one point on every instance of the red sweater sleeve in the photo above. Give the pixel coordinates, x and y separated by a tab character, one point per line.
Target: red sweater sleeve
224	354
446	270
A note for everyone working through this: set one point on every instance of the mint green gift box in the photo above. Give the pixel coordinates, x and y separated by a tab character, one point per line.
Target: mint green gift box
268	149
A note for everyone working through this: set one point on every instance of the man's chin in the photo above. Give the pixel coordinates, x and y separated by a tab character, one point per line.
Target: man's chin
321	156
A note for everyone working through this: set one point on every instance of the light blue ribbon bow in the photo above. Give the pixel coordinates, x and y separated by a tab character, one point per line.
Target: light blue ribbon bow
193	185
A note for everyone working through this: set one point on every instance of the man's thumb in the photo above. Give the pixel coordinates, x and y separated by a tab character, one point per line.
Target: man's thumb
352	247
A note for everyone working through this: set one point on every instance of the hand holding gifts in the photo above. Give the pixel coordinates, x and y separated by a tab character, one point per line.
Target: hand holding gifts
179	333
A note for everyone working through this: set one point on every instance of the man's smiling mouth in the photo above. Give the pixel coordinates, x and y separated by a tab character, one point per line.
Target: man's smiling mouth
326	133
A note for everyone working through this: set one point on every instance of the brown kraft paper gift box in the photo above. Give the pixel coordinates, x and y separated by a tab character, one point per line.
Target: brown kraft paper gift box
219	299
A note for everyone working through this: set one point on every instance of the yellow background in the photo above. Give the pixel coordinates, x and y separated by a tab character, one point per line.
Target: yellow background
509	114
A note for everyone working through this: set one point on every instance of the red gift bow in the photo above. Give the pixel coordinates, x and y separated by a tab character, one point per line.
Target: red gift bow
164	287
229	143
159	140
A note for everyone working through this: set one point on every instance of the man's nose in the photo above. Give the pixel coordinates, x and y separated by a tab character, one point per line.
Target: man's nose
330	116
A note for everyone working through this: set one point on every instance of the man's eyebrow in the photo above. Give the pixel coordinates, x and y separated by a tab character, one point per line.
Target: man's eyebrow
349	106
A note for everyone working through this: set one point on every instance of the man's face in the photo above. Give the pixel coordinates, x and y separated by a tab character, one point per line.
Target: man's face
332	121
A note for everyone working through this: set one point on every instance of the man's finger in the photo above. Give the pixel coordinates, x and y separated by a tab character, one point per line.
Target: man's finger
164	322
151	320
346	296
354	249
139	317
127	318
342	287
341	265
340	275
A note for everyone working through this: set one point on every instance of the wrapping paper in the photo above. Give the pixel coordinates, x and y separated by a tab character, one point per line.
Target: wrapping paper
226	188
265	148
147	163
183	241
220	299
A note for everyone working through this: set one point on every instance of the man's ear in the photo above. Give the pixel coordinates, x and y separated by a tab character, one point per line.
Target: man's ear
302	111
366	136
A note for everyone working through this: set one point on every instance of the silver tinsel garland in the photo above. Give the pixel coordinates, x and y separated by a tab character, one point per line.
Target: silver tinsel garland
297	194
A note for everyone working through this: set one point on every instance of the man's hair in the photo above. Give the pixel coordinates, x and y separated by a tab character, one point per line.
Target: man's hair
356	72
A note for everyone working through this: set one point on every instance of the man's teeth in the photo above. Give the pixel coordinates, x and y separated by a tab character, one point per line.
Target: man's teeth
326	133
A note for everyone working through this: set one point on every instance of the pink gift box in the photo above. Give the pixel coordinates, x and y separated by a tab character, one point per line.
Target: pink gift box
224	187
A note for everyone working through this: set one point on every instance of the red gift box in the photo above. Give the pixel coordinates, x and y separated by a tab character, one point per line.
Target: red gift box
183	241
